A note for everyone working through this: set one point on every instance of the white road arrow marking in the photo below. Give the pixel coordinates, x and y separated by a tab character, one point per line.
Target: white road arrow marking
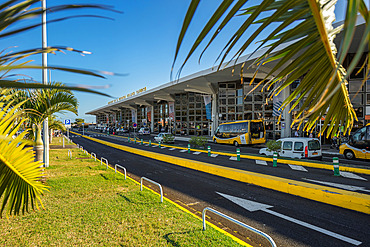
351	175
341	186
255	206
297	168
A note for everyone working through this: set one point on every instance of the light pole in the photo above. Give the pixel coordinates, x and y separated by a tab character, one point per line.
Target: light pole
45	81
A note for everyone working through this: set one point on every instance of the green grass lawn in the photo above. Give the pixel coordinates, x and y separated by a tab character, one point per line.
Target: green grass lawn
88	205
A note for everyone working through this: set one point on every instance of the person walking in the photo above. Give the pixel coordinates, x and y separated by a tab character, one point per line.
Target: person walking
296	133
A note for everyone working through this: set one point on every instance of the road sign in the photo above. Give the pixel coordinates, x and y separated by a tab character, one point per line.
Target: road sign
134	125
67	123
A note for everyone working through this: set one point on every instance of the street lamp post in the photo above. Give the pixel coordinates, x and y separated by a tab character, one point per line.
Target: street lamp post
45	81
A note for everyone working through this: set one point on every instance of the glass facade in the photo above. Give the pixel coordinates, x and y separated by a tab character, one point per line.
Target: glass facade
237	101
190	115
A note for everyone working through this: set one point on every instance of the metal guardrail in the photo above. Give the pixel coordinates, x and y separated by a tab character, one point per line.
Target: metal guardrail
69	153
124	169
267	237
93	155
149	180
101	161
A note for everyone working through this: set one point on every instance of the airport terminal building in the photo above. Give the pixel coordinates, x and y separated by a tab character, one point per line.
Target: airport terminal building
198	103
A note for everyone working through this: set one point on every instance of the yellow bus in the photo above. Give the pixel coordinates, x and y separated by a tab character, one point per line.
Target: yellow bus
241	132
358	145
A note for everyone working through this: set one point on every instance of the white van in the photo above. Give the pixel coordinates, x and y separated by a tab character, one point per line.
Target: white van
297	148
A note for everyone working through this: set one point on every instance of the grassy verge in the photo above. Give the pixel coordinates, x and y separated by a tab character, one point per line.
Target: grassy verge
90	206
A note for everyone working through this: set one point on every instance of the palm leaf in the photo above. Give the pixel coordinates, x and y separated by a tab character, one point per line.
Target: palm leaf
14	15
304	27
20	188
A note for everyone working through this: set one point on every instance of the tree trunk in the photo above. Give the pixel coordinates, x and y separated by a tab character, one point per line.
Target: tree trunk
38	146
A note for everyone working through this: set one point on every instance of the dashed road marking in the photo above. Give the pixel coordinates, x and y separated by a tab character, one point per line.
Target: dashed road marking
214	155
183	151
163	147
197	153
171	149
351	175
298	168
261	162
233	158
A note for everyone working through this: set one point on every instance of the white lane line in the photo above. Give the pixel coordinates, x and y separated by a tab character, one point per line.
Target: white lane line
163	147
316	228
197	153
261	162
351	175
233	158
146	145
154	146
171	149
214	155
297	168
341	186
183	150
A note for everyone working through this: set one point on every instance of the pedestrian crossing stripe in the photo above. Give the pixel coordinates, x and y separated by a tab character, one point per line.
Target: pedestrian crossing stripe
297	168
261	162
351	175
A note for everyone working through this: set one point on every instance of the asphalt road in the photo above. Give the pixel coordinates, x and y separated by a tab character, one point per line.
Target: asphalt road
290	220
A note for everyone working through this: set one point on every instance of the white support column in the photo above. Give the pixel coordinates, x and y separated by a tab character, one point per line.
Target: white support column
286	132
152	120
214	114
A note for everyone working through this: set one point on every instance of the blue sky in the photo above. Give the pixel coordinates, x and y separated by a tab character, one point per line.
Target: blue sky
140	42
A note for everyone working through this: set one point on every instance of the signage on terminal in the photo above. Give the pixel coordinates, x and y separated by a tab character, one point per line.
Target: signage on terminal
128	95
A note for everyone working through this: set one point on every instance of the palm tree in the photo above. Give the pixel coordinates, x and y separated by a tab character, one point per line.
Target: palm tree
302	27
18	171
41	104
55	124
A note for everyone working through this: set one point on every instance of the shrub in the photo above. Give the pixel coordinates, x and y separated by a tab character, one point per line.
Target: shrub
273	145
198	141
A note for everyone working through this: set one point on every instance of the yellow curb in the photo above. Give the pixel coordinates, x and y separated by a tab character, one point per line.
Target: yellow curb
239	241
341	198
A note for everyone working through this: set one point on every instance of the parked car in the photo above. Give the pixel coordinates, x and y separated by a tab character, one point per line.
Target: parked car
165	137
144	131
297	148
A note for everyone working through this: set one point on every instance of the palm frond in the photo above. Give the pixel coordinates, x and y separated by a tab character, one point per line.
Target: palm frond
304	28
15	16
